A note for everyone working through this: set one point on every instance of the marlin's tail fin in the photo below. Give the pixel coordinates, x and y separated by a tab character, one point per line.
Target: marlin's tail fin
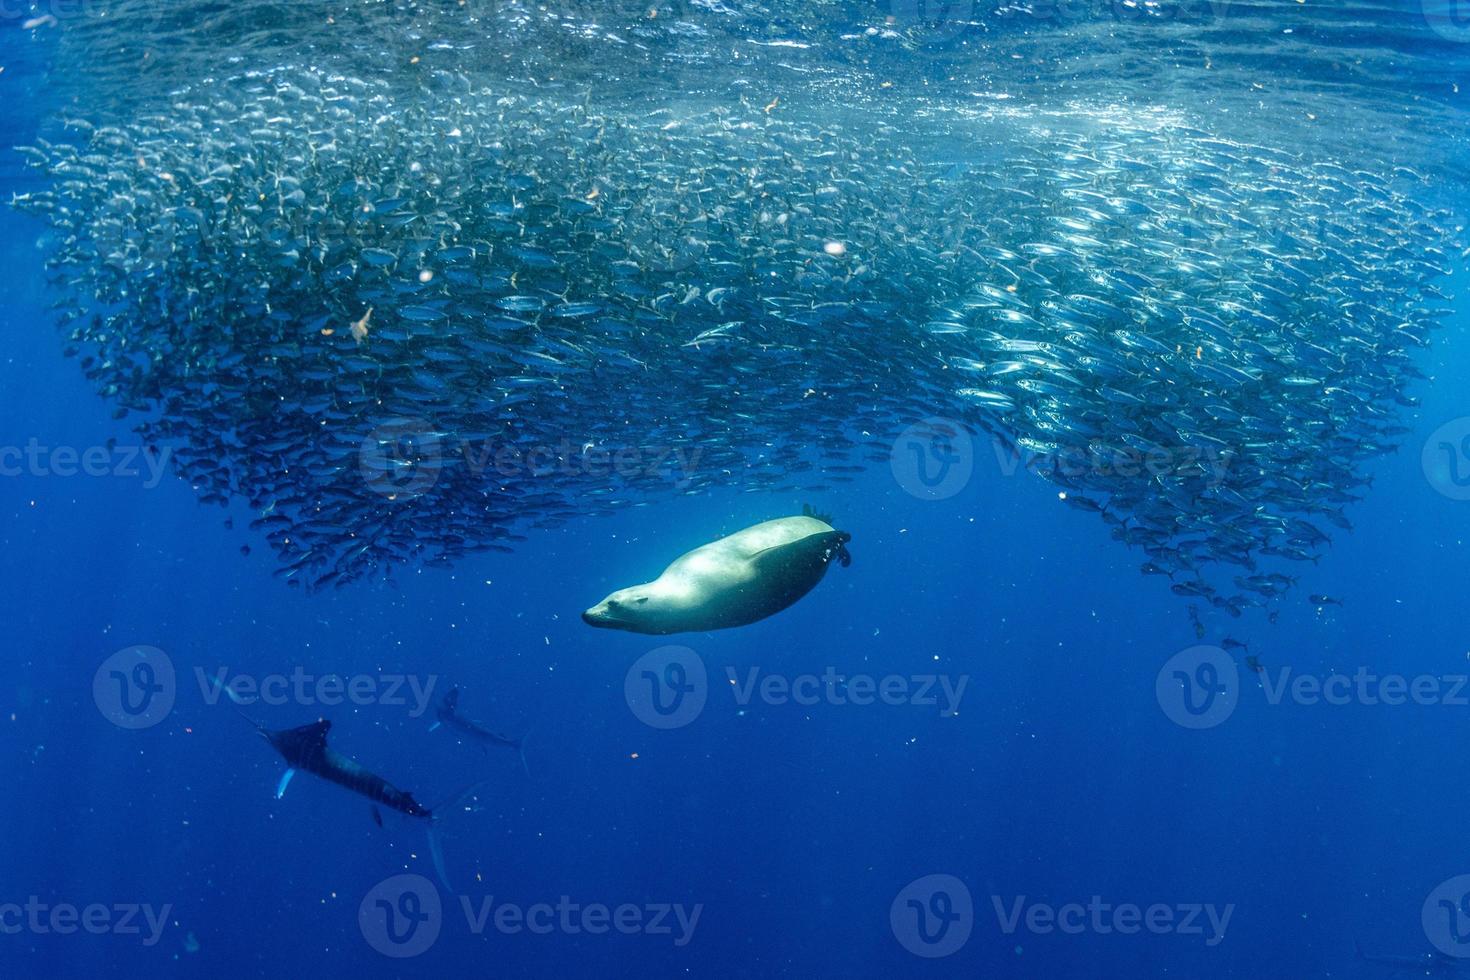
436	854
436	843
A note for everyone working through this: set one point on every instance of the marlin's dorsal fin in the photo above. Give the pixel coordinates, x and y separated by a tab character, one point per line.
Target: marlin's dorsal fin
315	733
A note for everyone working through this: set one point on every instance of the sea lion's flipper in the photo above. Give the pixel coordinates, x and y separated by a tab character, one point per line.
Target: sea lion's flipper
778	556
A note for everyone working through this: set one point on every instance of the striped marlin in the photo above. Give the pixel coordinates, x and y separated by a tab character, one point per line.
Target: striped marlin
306	749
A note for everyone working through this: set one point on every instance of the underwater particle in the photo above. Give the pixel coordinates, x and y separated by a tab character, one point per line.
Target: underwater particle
835	249
426	275
191	943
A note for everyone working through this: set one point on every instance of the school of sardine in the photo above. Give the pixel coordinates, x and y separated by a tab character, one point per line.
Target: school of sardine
406	329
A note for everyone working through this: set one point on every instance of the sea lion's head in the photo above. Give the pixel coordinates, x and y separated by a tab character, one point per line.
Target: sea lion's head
625	609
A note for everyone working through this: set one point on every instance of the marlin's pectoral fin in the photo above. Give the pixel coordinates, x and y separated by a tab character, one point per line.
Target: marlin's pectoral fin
377	815
285	781
435	727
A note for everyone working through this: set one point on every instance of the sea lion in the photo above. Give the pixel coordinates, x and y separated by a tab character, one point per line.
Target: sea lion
736	580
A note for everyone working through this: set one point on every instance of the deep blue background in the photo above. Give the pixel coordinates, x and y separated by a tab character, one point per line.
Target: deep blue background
795	827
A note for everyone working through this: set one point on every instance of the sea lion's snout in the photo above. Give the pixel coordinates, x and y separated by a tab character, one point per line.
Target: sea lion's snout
600	615
616	612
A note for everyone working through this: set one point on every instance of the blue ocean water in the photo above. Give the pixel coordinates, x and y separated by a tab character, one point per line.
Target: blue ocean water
791	838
